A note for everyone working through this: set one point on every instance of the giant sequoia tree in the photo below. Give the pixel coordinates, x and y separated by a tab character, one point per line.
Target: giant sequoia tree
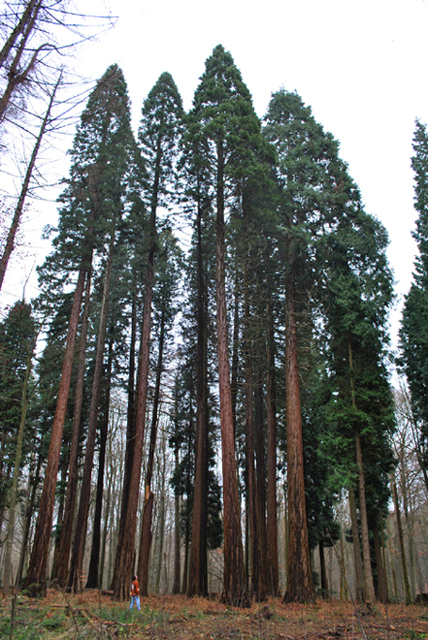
227	123
160	126
280	240
86	210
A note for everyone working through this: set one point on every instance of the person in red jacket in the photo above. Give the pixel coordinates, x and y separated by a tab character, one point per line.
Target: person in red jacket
135	593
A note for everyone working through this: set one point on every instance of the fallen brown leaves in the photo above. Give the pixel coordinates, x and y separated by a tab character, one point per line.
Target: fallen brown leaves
94	615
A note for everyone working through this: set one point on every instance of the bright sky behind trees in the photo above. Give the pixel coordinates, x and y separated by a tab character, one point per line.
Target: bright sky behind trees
360	65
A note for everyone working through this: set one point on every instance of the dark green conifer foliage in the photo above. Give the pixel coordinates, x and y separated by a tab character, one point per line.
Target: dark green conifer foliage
17	336
89	203
158	136
413	332
226	122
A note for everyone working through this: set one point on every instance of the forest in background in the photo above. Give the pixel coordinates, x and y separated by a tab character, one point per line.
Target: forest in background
200	394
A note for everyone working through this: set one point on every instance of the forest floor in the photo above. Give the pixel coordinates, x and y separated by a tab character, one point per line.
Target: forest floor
92	616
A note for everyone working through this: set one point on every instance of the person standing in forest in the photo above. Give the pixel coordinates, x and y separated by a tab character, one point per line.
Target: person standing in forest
135	593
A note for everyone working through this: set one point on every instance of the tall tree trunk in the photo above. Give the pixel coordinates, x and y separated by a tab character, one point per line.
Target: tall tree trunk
10	241
8	577
62	549
271	524
36	578
32	488
368	574
74	580
323	573
131	422
299	587
94	562
257	585
409	528
382	591
234	587
125	551
406	585
235	350
146	534
260	449
358	563
198	576
111	476
177	562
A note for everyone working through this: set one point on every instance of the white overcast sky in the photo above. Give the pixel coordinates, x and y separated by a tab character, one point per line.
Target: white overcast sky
360	64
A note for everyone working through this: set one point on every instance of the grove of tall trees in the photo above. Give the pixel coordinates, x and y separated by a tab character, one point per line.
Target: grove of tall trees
201	394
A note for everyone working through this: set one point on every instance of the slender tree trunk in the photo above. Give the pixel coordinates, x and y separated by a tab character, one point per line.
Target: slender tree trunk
323	573
186	558
10	241
257	586
368	574
27	17
161	540
131	424
260	450
198	578
17	73
235	351
29	508
382	591
62	549
8	577
105	524
409	528
36	577
94	562
74	581
234	587
146	534
271	525
299	587
406	586
125	551
358	563
177	551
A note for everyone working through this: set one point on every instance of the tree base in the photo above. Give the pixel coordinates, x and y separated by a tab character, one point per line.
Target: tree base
241	599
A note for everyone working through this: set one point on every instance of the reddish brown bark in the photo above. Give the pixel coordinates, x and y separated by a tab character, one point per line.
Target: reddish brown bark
36	577
299	587
62	549
198	578
94	562
74	581
125	551
271	523
146	534
234	586
358	562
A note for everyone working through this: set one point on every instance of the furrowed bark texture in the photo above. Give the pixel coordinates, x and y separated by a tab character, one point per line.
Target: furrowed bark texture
36	578
234	587
299	587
